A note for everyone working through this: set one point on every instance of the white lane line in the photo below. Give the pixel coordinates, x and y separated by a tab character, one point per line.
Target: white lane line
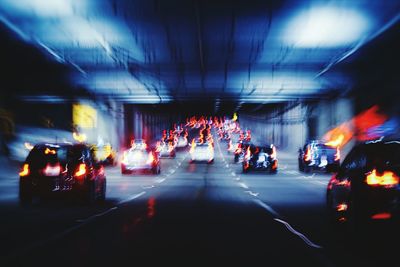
171	171
237	179
227	165
148	186
132	197
308	177
287	225
243	185
303	237
97	215
267	207
254	194
159	181
233	174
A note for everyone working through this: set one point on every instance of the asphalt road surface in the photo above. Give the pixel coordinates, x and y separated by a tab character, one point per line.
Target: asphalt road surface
191	215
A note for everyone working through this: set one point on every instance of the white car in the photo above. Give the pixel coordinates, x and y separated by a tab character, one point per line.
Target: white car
182	142
202	152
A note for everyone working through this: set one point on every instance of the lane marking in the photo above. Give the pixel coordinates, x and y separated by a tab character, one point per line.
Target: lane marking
254	194
132	197
233	173
148	186
303	237
286	224
267	207
97	215
159	181
243	185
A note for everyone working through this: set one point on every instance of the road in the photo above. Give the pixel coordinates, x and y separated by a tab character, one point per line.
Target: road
189	215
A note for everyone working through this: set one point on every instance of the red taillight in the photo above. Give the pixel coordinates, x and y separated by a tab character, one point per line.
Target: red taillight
382	216
387	179
81	170
338	182
273	154
52	170
25	170
307	156
248	154
337	154
151	158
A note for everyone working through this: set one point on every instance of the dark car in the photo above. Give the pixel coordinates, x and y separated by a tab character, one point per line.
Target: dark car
260	158
316	155
62	168
366	186
140	158
240	151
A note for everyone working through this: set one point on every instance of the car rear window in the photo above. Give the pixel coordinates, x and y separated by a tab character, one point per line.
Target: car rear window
383	156
40	156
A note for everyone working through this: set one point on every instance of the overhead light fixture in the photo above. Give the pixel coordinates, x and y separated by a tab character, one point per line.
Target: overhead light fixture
327	27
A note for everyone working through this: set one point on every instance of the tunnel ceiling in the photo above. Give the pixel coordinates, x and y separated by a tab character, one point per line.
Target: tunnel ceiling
223	51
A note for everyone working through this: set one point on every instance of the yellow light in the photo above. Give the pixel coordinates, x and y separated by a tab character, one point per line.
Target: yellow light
235	117
49	151
79	137
25	170
336	142
84	116
387	179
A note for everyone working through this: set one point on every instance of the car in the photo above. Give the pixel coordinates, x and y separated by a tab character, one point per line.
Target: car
240	151
202	151
317	155
166	150
182	142
366	186
140	158
52	168
260	158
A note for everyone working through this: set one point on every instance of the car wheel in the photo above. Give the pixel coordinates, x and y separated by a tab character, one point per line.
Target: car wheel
273	171
236	160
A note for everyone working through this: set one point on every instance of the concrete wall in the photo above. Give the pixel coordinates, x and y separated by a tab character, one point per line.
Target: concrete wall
289	126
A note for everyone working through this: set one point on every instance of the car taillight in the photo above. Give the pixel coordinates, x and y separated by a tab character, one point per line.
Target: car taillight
193	146
238	150
81	170
337	154
248	154
52	170
273	154
307	156
151	158
338	182
25	170
124	158
387	179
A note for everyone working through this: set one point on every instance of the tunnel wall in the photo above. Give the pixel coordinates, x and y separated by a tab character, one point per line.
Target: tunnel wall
291	125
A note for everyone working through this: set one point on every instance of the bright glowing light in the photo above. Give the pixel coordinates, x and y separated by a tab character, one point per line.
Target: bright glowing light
327	26
49	151
387	179
336	142
382	216
52	170
79	137
43	8
25	170
341	207
81	170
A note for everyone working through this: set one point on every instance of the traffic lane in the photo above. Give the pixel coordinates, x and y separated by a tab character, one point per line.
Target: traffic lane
300	199
23	227
196	218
